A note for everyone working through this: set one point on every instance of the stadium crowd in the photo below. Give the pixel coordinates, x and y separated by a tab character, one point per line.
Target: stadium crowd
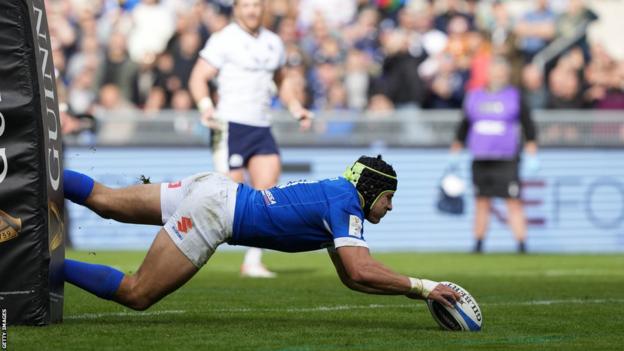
376	55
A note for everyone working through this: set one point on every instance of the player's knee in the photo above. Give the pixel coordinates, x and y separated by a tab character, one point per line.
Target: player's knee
140	305
139	301
135	296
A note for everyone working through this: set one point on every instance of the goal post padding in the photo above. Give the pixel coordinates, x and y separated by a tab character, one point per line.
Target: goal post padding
31	190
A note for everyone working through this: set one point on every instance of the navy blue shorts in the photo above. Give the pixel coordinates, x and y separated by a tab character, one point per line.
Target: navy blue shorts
235	145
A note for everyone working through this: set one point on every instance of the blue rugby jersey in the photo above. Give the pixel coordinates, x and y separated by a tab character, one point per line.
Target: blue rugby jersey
299	216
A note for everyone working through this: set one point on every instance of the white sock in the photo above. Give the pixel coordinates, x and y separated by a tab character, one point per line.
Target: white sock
253	257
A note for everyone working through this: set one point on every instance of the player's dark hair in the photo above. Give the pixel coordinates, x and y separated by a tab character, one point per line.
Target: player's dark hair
372	177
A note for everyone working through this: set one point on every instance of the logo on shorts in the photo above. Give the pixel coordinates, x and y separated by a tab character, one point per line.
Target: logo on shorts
355	226
174	185
236	161
10	226
268	197
185	224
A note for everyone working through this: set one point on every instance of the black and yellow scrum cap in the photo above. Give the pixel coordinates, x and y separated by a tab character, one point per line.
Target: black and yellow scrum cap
372	178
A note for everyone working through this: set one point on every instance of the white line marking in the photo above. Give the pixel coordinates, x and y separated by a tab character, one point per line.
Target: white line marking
557	302
336	308
122	314
551	273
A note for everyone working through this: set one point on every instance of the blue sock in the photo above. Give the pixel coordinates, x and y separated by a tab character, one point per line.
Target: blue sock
97	279
77	186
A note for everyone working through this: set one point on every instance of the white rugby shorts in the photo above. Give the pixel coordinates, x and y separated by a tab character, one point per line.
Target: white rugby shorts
198	213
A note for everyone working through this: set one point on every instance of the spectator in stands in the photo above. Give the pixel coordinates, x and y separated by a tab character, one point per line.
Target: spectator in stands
357	79
481	52
328	61
182	101
337	13
564	88
144	80
458	44
287	31
606	77
184	55
167	82
447	85
400	80
81	95
536	29
112	102
325	73
88	57
117	68
318	33
572	25
453	8
489	129
213	18
504	40
99	34
425	36
278	11
364	33
337	97
534	89
380	106
153	26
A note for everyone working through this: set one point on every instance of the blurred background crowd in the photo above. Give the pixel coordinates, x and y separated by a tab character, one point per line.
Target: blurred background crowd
377	55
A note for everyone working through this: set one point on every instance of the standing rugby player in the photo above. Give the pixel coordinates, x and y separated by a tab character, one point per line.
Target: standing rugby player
246	60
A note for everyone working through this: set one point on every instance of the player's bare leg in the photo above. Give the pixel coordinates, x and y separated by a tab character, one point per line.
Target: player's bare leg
481	221
517	222
164	270
264	171
139	204
237	175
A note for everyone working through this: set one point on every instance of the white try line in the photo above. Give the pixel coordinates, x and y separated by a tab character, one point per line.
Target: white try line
338	308
122	314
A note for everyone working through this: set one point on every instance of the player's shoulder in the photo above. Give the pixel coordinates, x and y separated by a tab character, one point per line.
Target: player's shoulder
226	33
271	37
269	34
338	187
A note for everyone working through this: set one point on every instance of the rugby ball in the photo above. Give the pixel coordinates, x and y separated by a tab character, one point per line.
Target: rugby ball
466	316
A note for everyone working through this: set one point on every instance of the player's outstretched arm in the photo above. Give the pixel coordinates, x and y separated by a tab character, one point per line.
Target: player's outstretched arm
347	281
359	271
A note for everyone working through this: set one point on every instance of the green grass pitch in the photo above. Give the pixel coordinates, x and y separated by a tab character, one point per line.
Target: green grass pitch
533	302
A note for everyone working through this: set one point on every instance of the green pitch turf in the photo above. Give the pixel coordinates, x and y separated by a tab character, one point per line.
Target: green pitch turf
533	302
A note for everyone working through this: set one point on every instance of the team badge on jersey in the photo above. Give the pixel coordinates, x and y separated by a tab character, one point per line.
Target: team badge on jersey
355	226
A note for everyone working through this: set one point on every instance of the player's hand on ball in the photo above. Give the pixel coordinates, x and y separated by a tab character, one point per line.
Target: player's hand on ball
444	295
441	293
